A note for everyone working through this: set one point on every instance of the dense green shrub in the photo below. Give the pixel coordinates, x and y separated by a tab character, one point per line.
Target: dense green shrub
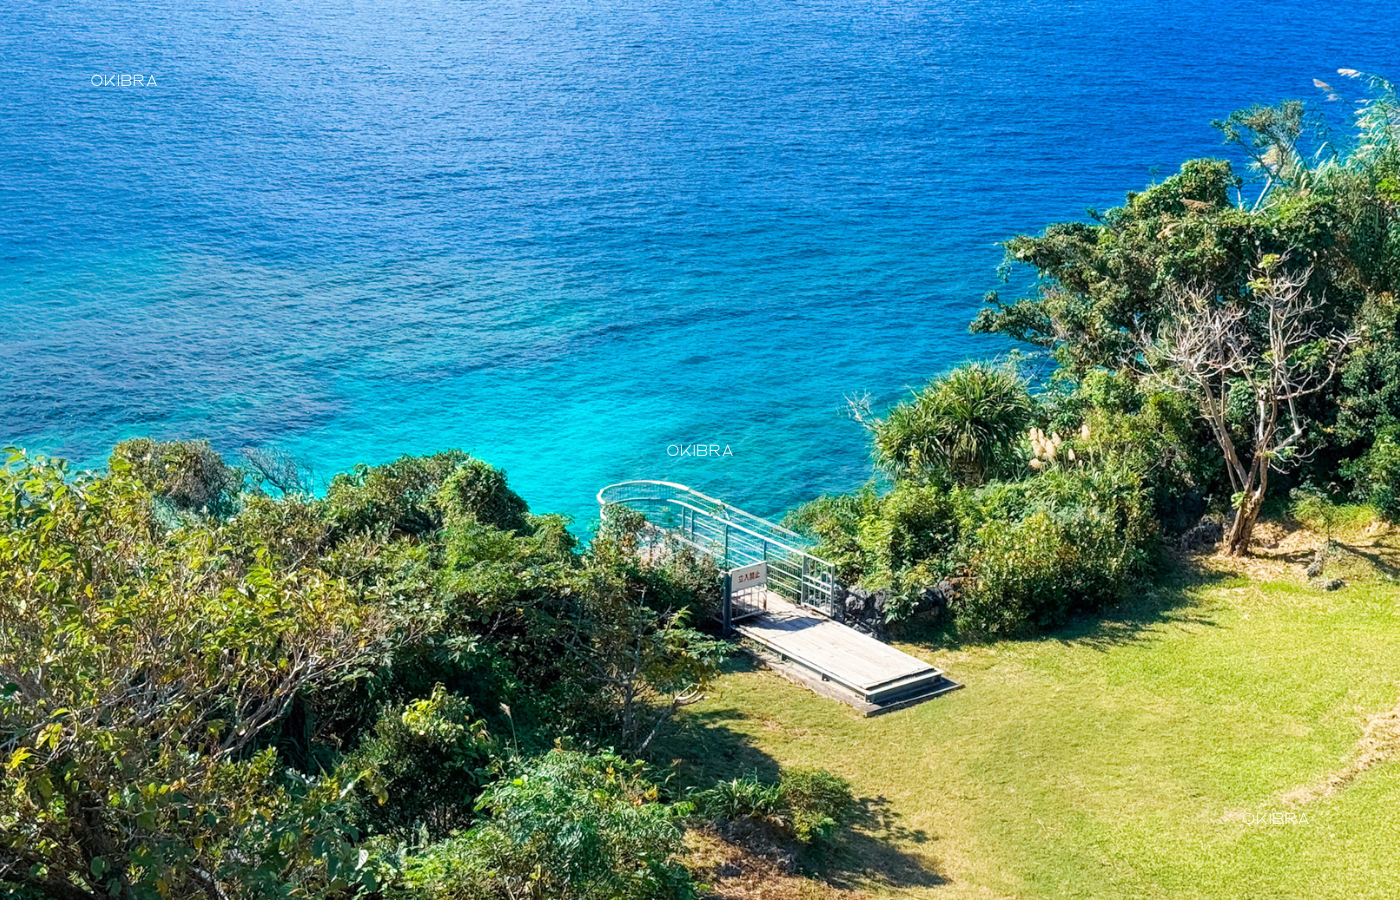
273	700
819	803
566	826
479	490
808	806
146	673
431	759
906	542
187	475
834	521
1111	418
1377	476
1368	395
1017	582
898	543
291	529
962	427
464	867
1069	539
1075	534
395	499
744	799
914	523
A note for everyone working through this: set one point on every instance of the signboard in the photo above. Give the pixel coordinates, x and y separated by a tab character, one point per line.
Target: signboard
747	577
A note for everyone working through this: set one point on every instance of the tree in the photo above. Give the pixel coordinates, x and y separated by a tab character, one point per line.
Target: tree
1271	136
398	499
433	757
208	691
286	473
188	476
1335	203
1099	280
142	671
1248	363
630	638
963	426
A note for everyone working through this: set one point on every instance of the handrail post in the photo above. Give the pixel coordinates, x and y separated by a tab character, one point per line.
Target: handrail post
802	590
727	609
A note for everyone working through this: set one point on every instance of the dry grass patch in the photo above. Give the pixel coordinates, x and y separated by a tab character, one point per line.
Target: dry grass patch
732	871
1380	742
1281	551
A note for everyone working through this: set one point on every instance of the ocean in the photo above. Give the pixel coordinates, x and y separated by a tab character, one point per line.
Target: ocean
574	239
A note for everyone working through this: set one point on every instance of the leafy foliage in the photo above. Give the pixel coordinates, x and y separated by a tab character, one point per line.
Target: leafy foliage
1114	419
1377	476
961	427
568	825
1322	211
143	670
398	499
1071	530
808	806
1067	540
834	520
285	696
187	475
434	758
819	802
1100	281
478	491
897	543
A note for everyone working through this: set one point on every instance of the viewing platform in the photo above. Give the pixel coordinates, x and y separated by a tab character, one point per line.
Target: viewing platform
782	600
839	662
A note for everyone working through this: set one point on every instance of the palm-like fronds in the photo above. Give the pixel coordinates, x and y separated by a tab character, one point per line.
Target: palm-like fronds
963	425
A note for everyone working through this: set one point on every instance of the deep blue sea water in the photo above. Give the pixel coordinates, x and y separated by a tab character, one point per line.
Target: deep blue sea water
565	236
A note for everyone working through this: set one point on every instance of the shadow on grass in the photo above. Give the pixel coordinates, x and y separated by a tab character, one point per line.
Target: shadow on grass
1384	563
705	747
870	852
1302	558
1170	599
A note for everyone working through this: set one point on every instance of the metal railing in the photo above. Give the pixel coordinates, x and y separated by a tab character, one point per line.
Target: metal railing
730	537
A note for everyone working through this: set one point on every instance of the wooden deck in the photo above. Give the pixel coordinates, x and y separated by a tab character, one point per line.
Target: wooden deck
838	661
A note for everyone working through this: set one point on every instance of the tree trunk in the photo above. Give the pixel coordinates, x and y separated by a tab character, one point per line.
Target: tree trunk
1242	529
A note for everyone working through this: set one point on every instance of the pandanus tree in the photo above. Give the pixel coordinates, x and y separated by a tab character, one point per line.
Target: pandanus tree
963	426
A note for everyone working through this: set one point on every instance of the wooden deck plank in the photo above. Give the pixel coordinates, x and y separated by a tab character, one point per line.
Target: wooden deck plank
837	651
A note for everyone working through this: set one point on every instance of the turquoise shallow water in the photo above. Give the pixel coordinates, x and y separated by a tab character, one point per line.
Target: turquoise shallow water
568	236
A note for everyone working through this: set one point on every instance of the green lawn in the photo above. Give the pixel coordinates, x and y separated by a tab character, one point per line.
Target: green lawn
1127	759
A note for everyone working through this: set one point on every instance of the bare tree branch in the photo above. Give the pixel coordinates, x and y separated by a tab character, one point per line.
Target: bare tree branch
1272	347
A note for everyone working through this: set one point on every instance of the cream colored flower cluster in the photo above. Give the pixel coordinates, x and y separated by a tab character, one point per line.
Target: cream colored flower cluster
1045	448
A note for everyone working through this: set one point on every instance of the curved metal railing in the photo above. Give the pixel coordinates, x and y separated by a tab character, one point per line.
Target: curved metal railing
731	537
